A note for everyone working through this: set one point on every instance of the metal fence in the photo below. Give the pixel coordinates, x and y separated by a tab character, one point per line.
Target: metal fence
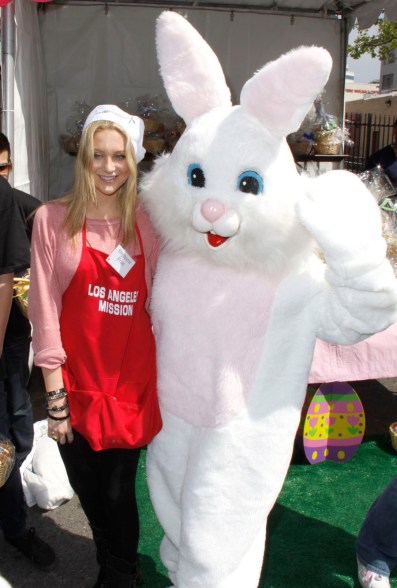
368	133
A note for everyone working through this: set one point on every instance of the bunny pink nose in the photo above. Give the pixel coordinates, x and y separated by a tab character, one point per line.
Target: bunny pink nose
212	210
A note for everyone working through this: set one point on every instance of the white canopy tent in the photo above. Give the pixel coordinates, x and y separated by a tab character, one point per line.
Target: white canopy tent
73	51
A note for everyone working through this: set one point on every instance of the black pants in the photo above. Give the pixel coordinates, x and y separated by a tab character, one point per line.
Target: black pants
104	481
18	407
12	505
12	501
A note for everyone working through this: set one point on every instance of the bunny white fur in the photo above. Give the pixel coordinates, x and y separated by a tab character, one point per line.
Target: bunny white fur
236	324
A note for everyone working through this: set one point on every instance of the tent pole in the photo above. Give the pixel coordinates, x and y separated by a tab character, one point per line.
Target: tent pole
8	71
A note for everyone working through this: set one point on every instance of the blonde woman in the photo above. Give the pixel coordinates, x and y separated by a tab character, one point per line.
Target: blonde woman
93	258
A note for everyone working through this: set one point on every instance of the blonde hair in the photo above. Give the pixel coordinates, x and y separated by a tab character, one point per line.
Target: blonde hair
83	192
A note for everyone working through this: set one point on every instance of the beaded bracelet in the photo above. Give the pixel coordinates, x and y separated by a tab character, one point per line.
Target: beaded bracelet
57	408
53	418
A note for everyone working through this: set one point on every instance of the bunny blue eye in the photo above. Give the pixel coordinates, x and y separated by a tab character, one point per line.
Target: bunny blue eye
250	182
195	175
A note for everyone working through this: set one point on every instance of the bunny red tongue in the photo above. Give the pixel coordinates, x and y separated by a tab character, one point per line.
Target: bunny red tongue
215	240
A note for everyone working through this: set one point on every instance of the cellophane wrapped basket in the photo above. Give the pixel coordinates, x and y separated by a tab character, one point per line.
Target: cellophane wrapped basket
327	142
380	186
319	133
7	459
21	291
393	435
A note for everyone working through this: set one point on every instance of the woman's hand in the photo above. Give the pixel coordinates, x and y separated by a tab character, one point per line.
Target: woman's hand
59	427
60	431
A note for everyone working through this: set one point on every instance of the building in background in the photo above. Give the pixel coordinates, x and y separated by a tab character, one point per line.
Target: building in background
388	73
356	90
360	90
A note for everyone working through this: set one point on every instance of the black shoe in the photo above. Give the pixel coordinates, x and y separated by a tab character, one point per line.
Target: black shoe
138	579
34	548
122	574
100	581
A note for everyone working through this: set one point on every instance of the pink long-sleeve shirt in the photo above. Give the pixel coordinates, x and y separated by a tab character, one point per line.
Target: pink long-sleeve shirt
54	261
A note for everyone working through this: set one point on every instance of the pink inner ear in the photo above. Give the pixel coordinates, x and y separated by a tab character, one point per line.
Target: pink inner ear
282	92
192	75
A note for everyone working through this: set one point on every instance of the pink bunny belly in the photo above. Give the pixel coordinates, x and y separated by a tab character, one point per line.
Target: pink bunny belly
210	323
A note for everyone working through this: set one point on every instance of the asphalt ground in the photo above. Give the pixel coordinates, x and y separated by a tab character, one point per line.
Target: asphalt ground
66	529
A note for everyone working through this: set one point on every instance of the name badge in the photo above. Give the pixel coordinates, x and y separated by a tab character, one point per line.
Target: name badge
120	261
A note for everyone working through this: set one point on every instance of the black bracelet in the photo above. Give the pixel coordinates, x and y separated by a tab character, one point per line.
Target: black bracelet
56	408
53	418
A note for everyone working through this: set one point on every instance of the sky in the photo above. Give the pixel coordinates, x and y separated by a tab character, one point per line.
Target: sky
365	69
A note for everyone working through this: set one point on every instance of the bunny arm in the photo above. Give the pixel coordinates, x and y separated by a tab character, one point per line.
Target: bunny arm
359	294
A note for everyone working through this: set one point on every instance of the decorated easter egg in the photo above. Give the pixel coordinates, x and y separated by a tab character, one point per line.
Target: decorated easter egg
334	423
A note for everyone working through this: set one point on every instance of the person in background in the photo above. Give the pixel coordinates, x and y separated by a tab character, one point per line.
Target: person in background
14	258
376	545
93	258
386	158
18	334
5	156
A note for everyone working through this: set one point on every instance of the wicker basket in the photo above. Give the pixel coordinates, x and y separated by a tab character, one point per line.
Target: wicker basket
154	145
7	459
71	144
21	291
393	435
301	147
151	125
328	148
327	143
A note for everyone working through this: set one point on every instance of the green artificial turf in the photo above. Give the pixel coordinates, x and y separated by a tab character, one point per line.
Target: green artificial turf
312	528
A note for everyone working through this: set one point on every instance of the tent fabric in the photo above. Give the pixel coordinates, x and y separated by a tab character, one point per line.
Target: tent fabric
365	11
104	51
30	154
367	14
111	58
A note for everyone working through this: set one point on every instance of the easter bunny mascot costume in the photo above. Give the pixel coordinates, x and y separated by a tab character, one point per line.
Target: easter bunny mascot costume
240	297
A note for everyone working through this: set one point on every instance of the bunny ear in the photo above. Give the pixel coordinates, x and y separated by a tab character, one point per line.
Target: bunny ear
282	92
192	75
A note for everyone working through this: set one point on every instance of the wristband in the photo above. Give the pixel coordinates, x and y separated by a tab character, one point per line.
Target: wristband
56	408
54	394
53	418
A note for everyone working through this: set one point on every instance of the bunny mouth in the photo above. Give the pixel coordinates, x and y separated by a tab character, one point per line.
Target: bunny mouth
215	240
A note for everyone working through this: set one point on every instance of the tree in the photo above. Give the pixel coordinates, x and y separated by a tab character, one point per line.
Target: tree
379	45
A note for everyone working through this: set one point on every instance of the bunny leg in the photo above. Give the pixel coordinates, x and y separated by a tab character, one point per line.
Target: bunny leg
166	465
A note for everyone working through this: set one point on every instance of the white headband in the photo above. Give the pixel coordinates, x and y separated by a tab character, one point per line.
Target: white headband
133	125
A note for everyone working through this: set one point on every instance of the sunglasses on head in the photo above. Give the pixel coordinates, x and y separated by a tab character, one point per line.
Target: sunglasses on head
5	166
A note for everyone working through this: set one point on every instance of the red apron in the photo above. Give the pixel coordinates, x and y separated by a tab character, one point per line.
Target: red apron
110	370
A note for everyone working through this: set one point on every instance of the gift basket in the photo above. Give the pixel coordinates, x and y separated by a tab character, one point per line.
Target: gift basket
380	186
327	142
320	133
7	459
21	290
301	142
393	435
328	135
162	126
